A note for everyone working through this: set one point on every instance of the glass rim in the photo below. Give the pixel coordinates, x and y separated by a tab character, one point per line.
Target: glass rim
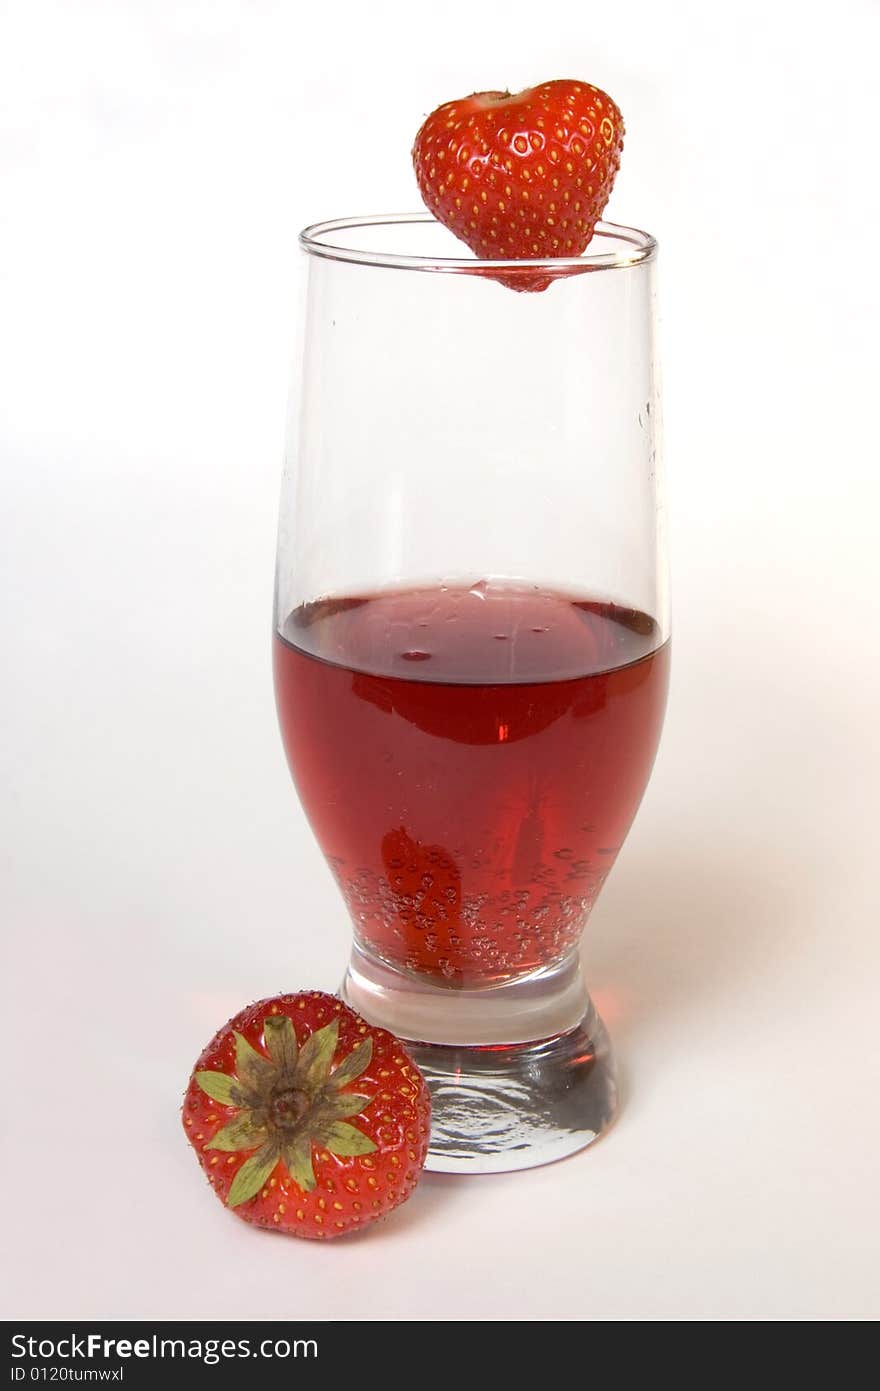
642	248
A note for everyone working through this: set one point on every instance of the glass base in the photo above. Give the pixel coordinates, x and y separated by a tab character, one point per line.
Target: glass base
520	1074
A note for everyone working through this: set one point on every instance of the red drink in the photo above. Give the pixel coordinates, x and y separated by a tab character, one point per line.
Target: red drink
470	761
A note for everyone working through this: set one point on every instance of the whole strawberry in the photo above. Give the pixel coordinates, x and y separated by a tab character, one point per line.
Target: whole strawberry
306	1119
521	177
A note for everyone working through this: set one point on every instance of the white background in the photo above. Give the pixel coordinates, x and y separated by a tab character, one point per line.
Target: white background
156	162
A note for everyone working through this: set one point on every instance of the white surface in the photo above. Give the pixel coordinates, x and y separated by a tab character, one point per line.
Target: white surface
157	160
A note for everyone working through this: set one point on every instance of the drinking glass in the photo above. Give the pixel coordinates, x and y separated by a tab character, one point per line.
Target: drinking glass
471	649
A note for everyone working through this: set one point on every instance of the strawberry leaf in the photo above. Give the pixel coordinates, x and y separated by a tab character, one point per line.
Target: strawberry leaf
335	1107
345	1140
240	1134
219	1087
351	1067
252	1175
316	1056
280	1036
298	1158
253	1070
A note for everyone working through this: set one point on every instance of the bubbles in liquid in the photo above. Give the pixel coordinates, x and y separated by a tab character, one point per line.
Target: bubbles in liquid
480	900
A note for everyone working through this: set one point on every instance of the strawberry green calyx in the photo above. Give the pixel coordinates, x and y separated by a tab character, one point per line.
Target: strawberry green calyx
271	1112
288	1102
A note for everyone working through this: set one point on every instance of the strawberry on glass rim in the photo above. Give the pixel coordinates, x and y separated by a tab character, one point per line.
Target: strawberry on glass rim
521	176
306	1119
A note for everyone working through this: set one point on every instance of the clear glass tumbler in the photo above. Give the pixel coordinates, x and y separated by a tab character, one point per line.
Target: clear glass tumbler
471	649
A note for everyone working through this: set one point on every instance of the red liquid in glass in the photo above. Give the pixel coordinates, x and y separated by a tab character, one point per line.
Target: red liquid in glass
470	761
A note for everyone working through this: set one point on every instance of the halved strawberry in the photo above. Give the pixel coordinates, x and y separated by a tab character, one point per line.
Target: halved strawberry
306	1119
